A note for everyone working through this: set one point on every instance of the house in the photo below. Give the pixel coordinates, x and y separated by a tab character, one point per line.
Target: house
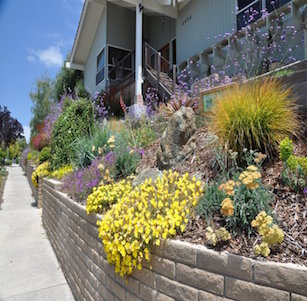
119	43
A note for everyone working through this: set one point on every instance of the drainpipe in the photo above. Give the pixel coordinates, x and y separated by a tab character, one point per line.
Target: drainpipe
138	54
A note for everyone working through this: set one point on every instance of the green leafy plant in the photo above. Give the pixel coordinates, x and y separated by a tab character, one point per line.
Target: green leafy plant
139	135
126	163
255	115
144	135
294	173
286	149
210	202
238	195
45	154
88	148
75	122
248	201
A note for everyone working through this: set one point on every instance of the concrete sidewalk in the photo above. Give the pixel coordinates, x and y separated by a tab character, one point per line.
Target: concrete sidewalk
29	270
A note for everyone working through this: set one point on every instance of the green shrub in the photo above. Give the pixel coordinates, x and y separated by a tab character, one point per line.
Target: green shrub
8	162
286	149
256	115
45	154
139	135
29	156
302	161
122	160
75	122
126	162
2	154
294	173
126	158
144	135
88	148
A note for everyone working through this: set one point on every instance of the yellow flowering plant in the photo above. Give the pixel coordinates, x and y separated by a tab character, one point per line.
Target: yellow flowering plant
42	170
270	233
215	237
227	207
151	212
61	172
238	200
249	198
106	194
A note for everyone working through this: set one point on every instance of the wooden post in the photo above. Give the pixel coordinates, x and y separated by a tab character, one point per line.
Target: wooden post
146	56
174	77
159	68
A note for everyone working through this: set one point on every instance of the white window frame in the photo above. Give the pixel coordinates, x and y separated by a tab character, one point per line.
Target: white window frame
103	67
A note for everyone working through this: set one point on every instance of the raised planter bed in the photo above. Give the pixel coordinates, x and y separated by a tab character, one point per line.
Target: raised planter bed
180	270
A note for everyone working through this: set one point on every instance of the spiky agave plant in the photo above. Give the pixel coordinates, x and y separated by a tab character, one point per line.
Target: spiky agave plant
255	115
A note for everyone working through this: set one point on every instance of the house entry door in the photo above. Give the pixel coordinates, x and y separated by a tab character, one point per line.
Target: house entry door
165	62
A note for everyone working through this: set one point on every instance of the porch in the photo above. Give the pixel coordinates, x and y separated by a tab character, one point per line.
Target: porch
148	43
112	47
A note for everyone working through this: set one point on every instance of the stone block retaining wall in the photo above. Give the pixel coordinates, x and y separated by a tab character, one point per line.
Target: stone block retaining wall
37	191
30	167
180	271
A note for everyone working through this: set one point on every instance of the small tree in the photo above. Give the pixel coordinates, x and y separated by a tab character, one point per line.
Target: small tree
10	128
42	101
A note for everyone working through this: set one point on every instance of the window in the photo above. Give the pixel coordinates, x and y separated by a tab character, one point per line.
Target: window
272	5
100	67
249	11
116	55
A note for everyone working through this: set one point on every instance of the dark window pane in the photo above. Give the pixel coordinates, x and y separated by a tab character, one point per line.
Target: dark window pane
271	5
250	15
116	55
244	3
100	76
100	60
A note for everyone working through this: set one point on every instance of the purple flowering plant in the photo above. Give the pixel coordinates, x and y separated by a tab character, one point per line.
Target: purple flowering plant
151	101
99	101
80	183
267	40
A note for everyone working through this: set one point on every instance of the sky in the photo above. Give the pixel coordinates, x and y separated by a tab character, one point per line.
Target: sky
35	38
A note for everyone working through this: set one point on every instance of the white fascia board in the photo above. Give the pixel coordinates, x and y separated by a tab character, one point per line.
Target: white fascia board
183	3
81	23
155	6
78	32
73	66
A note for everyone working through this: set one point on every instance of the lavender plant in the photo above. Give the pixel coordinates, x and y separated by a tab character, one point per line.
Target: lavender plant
151	101
101	109
267	40
80	183
270	43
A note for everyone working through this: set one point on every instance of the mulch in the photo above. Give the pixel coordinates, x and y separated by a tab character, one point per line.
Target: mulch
290	207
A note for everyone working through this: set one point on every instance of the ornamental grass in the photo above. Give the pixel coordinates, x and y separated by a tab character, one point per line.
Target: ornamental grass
255	115
151	212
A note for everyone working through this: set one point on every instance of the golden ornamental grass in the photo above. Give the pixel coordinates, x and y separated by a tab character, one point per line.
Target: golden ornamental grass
255	115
